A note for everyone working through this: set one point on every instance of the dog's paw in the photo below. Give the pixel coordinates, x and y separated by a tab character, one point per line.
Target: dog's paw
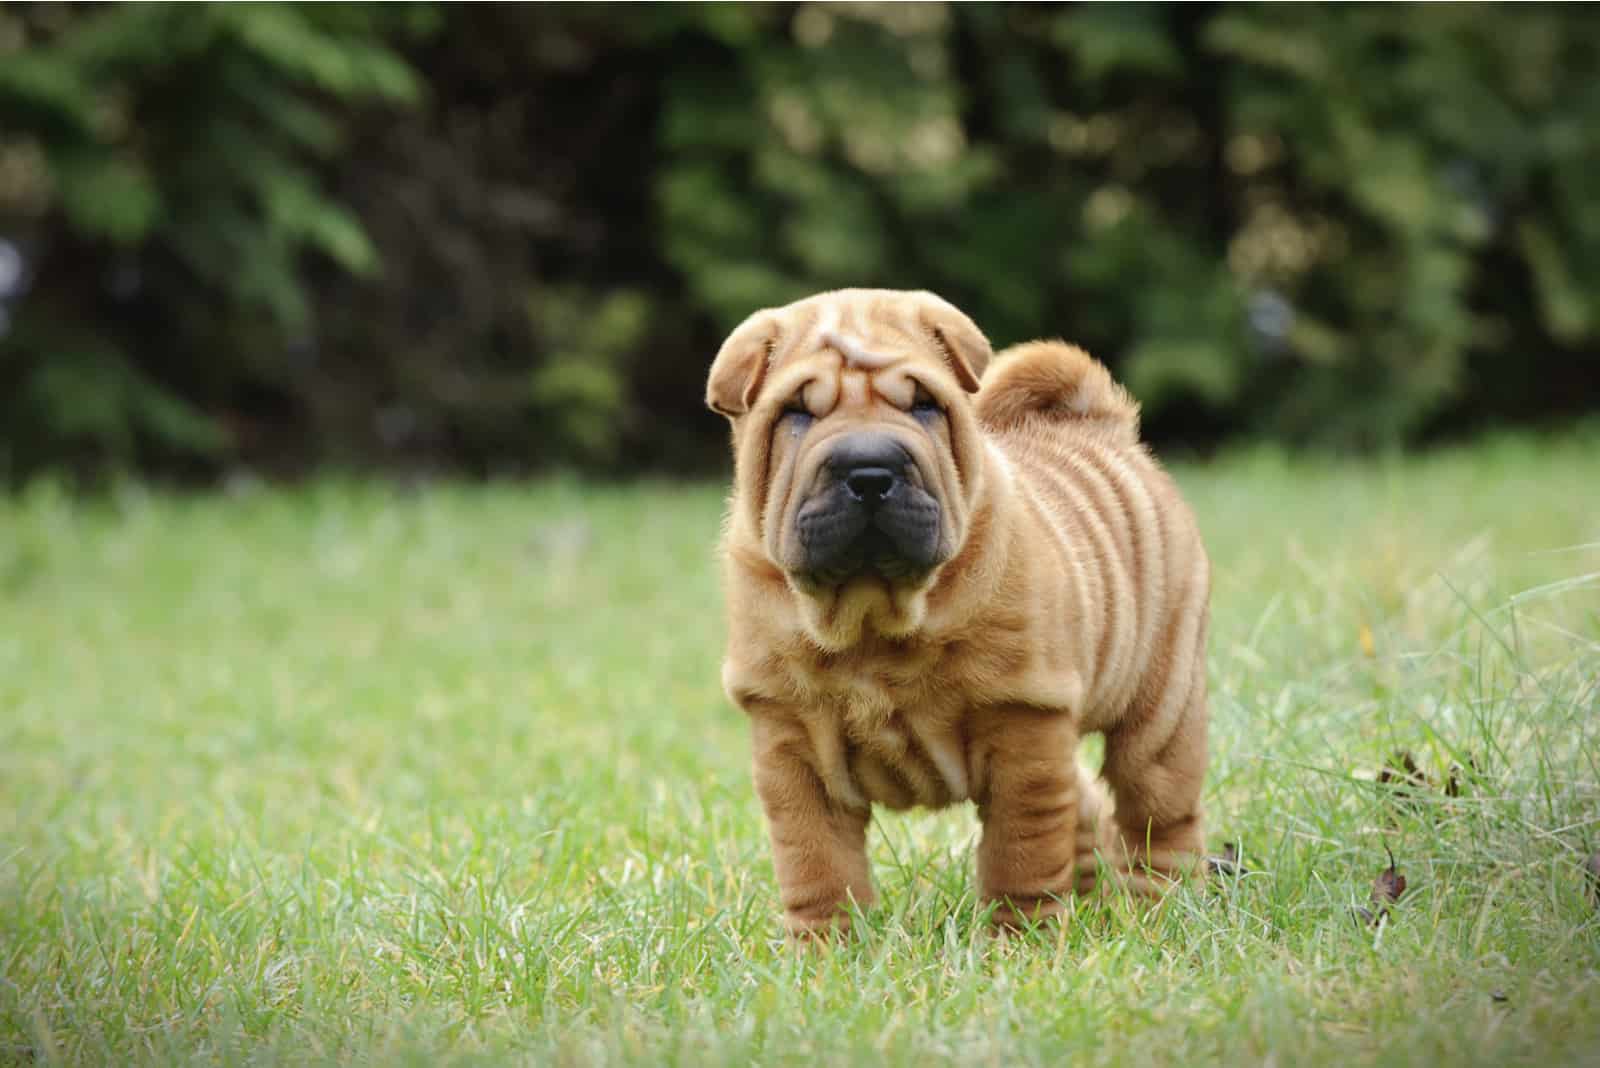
1015	913
820	923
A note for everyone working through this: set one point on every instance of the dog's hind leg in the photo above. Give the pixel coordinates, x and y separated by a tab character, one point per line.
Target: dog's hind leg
1156	762
1098	839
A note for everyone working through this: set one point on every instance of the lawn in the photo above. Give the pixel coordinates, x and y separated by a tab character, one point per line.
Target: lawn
351	771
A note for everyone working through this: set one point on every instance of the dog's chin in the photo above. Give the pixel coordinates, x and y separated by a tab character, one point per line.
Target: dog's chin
862	584
874	591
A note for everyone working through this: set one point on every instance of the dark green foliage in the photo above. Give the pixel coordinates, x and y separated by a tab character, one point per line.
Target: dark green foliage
158	173
508	237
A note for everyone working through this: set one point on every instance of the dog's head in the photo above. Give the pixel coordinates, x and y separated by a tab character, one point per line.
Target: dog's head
857	451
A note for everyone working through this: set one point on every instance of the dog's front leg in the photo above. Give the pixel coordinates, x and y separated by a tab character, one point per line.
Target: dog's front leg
1028	856
819	846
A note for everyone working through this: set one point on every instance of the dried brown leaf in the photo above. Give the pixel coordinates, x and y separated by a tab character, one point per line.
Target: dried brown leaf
1389	885
1386	890
1402	769
1227	862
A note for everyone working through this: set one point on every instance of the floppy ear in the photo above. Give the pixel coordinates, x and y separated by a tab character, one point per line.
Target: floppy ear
741	365
965	348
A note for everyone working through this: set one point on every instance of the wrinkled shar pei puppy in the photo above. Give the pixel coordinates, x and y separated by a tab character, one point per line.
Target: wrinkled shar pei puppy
942	569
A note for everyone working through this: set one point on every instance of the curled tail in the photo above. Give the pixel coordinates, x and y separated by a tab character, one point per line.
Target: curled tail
1054	381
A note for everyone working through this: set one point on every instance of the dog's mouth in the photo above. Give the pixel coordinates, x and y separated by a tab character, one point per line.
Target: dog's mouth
894	538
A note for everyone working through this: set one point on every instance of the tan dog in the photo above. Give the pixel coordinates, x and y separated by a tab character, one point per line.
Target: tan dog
932	595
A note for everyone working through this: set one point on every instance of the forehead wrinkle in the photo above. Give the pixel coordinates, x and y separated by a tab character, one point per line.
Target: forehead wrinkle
853	387
854	352
818	380
831	333
897	387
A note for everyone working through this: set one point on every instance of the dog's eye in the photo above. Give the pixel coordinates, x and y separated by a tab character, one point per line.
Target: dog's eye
795	413
923	406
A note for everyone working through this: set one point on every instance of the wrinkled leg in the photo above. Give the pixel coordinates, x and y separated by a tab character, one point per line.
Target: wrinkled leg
1098	838
1028	856
819	848
1156	764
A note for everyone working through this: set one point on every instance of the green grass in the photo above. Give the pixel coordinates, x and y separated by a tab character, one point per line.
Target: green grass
345	772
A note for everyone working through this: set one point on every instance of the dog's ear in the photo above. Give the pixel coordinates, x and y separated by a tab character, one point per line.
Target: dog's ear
965	348
741	364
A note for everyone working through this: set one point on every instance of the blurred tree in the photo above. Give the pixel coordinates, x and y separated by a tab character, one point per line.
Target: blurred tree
249	232
1315	222
160	200
523	290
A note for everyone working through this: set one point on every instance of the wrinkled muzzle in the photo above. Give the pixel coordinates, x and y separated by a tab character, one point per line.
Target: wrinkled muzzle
867	513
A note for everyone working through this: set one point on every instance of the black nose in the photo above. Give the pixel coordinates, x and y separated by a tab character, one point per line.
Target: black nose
870	485
870	464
